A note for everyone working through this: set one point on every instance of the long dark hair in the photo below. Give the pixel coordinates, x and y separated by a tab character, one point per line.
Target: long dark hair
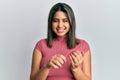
71	38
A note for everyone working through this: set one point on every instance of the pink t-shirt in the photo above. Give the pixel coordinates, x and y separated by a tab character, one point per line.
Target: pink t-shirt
59	47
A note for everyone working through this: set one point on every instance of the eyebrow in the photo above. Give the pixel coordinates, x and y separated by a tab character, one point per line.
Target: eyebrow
58	18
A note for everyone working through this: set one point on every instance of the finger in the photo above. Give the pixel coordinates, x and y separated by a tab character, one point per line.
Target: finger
75	60
60	60
71	60
81	53
77	56
54	62
57	60
80	56
73	64
54	65
62	57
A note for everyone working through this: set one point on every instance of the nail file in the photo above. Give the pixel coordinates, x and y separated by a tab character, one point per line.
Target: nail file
71	51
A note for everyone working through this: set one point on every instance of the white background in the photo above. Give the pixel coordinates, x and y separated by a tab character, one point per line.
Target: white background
24	22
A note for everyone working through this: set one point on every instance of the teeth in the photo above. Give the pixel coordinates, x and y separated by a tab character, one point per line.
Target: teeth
60	30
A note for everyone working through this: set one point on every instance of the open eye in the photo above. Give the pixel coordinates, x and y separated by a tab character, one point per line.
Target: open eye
65	20
55	20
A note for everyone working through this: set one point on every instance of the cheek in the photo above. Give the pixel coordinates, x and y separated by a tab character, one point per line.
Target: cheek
54	25
68	26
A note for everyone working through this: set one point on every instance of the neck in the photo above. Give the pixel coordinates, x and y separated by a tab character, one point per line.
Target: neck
61	38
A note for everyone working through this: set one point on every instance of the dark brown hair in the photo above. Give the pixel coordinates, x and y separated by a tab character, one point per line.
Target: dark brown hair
71	37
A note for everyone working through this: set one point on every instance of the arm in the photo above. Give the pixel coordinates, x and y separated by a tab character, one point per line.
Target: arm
36	72
76	59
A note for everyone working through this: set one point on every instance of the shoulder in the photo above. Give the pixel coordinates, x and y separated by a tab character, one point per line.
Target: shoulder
82	41
40	43
84	44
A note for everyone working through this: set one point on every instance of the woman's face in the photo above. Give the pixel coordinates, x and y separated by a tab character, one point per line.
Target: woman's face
60	24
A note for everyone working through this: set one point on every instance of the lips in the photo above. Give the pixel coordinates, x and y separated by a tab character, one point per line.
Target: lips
60	30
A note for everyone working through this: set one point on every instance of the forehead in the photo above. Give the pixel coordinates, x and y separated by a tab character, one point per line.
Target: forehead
60	14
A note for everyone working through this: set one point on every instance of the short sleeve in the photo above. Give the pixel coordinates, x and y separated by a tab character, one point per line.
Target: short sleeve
85	46
38	45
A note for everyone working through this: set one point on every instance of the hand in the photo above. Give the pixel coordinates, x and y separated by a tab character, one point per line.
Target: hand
56	61
76	59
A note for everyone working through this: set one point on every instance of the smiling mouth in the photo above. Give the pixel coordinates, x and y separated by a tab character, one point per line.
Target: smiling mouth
60	30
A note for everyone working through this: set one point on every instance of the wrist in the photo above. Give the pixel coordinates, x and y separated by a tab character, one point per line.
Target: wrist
75	69
47	66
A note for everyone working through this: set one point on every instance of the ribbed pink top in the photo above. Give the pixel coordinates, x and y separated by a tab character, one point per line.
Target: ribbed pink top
59	47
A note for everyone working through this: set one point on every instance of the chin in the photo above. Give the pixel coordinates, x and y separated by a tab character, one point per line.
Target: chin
62	35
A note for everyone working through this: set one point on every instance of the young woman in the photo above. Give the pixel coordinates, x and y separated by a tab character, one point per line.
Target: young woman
61	56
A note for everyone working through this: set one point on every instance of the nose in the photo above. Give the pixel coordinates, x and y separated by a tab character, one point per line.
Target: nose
60	24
